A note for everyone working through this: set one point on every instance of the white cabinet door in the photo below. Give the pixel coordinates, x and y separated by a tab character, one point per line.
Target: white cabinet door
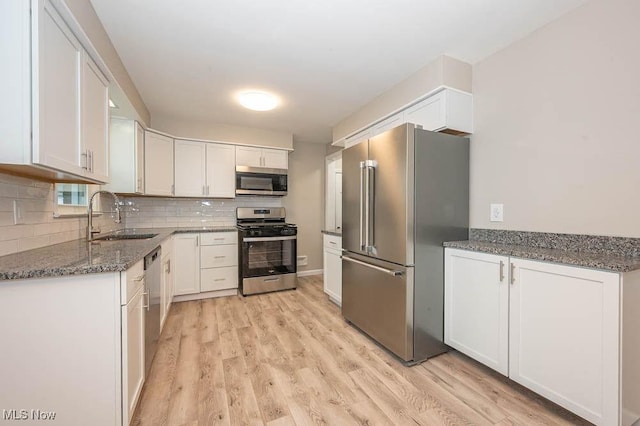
430	113
126	162
133	316
333	267
248	156
166	288
388	123
57	106
139	159
477	306
564	336
186	264
221	170
190	169
158	164
213	279
275	158
95	121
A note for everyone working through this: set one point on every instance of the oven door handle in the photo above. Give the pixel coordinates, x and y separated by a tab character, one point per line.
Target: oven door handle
250	240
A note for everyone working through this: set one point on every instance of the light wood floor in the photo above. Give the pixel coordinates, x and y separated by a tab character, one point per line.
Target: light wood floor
290	358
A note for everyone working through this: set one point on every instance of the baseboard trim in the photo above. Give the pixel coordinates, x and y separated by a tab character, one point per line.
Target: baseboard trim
310	272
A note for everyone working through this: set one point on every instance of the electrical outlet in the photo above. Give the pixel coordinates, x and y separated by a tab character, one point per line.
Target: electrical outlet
303	260
18	212
496	213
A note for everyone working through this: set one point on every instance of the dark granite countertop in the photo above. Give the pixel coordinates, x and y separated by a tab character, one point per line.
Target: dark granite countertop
335	233
79	257
602	260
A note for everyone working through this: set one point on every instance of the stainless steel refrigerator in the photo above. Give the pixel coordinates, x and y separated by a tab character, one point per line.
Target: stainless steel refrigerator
404	192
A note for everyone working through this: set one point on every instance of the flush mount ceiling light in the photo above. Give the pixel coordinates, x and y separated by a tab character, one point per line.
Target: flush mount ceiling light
258	100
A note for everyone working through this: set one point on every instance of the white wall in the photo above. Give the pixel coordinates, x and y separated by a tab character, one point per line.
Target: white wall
555	117
189	129
305	200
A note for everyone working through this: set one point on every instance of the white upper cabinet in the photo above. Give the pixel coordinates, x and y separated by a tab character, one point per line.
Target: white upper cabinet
447	110
190	169
56	139
95	120
450	111
275	158
221	171
262	157
248	156
158	164
126	145
56	97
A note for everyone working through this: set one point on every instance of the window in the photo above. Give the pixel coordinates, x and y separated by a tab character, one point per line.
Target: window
70	199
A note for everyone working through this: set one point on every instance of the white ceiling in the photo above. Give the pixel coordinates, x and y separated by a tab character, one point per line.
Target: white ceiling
324	58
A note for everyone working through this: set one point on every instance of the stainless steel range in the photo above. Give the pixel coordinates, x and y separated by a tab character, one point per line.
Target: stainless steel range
268	250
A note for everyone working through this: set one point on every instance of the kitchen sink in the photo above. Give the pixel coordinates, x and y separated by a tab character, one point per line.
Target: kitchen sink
118	237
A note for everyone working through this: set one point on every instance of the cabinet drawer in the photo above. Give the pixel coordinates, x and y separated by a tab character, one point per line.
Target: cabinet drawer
218	238
332	242
218	278
131	281
218	256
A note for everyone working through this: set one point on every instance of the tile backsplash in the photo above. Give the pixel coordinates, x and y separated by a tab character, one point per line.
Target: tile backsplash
40	228
147	212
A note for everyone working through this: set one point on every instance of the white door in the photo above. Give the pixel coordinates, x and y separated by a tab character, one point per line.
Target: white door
158	164
221	170
430	113
95	121
139	163
275	158
57	106
190	169
133	316
248	157
564	336
477	306
186	264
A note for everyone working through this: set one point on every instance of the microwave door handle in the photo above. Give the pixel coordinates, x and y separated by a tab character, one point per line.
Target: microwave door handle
362	178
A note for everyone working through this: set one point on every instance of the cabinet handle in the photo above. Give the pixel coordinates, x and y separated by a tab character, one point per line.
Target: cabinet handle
173	190
219	257
207	189
513	273
85	160
146	293
204	190
138	279
197	240
220	279
218	239
168	269
501	271
92	168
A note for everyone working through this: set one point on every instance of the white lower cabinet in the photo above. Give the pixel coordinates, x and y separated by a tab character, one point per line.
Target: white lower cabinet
564	327
186	264
333	267
477	307
133	338
166	287
219	261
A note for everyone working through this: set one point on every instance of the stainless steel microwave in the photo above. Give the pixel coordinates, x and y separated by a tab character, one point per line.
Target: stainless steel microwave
261	181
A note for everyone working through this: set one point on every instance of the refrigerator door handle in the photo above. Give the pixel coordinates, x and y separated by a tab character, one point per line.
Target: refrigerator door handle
369	265
362	208
371	193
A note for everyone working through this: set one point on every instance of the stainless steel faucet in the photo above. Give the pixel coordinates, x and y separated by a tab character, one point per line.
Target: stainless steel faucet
118	219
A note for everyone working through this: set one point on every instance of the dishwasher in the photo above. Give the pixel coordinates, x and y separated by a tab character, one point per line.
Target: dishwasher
152	280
